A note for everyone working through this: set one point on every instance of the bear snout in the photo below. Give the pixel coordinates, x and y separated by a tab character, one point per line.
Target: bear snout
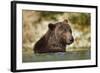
72	40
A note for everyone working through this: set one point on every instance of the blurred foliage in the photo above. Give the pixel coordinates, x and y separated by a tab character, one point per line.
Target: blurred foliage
82	19
50	15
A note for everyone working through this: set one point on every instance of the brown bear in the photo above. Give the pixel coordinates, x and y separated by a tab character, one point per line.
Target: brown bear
56	38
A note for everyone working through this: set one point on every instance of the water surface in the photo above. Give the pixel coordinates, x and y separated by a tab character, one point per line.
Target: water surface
70	55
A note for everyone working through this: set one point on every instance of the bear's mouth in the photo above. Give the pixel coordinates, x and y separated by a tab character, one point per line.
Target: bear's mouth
68	43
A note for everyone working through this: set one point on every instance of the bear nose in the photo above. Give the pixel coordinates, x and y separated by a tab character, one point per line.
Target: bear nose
72	39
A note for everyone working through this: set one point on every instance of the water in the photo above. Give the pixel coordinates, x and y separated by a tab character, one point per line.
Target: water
70	55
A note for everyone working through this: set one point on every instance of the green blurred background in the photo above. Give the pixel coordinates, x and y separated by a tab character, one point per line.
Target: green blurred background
35	25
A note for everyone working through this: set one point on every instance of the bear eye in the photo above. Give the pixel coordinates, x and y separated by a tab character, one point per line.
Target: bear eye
65	30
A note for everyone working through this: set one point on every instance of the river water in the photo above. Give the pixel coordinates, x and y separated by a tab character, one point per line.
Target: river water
70	55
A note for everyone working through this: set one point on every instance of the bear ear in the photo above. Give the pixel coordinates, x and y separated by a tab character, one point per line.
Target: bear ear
51	26
65	21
